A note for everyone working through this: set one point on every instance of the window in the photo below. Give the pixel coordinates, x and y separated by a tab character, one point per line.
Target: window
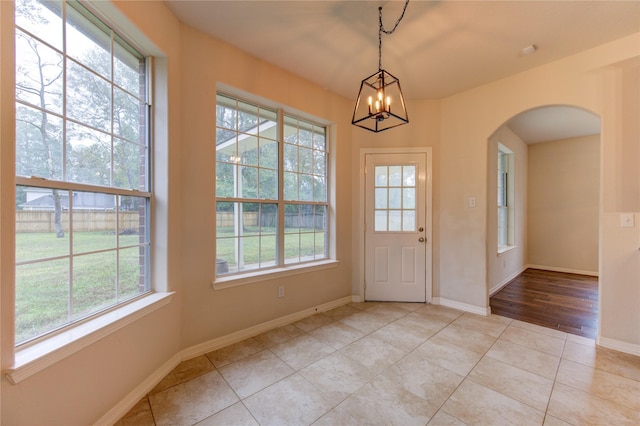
82	175
505	198
395	198
271	188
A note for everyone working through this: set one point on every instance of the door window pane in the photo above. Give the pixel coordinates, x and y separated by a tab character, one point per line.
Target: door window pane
395	191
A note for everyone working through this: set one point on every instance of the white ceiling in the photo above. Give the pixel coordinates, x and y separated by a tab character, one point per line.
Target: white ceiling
440	48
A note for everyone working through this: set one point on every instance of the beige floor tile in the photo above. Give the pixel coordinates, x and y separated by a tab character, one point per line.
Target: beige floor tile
302	351
256	372
619	363
313	322
292	401
384	402
600	383
338	417
337	375
236	415
534	340
580	408
428	326
363	305
364	321
492	325
387	312
139	415
453	358
192	401
373	353
401	335
344	311
476	404
528	359
513	382
443	419
235	352
408	306
542	330
429	381
278	335
464	338
337	335
580	339
554	421
439	312
184	372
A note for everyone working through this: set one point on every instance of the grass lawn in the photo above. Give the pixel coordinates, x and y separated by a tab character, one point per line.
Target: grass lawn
51	293
258	247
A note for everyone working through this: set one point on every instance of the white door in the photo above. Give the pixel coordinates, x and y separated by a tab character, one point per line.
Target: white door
395	224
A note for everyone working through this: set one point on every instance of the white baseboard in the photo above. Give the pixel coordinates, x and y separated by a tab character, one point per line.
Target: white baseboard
565	270
496	288
241	335
124	406
617	345
356	298
462	306
150	382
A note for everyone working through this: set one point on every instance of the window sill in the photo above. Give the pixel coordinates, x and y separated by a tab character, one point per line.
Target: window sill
253	277
38	356
505	249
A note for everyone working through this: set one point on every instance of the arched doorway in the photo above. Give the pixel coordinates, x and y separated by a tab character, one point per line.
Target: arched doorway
544	174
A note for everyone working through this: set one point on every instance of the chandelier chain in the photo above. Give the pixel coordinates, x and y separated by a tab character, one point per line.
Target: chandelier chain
388	32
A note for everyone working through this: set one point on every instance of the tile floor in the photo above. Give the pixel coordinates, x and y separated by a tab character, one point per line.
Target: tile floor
402	364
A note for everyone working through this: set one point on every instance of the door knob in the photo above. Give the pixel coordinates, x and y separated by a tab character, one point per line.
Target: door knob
421	229
421	239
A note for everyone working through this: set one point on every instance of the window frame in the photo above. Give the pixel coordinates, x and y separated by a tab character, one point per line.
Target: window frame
282	267
505	198
97	25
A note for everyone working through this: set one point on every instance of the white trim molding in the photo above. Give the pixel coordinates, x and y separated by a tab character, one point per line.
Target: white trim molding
565	270
496	288
36	357
618	345
478	310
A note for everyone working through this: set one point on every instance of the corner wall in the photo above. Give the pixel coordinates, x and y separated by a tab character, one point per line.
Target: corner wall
503	267
590	80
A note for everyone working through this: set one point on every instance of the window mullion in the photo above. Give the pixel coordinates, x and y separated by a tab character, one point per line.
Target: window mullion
281	206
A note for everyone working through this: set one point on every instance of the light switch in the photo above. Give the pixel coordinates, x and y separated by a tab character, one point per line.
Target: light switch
472	201
626	220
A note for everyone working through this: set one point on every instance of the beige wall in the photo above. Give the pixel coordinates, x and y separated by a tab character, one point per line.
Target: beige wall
603	80
503	267
564	200
81	388
620	180
208	314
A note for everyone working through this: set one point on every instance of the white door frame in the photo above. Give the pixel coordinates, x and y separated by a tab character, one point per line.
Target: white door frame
428	215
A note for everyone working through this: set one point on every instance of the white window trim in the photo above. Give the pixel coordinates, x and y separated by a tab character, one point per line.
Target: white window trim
252	276
510	207
29	359
33	358
221	283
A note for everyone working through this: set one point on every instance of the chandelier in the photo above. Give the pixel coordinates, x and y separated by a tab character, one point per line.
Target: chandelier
380	104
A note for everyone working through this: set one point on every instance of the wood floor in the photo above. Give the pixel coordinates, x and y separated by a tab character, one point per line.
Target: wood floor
566	302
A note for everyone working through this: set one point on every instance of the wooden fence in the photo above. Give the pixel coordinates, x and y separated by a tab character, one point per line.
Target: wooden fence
291	220
43	221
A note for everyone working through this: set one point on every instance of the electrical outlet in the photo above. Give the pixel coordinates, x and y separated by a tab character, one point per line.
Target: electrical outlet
472	202
626	220
281	292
